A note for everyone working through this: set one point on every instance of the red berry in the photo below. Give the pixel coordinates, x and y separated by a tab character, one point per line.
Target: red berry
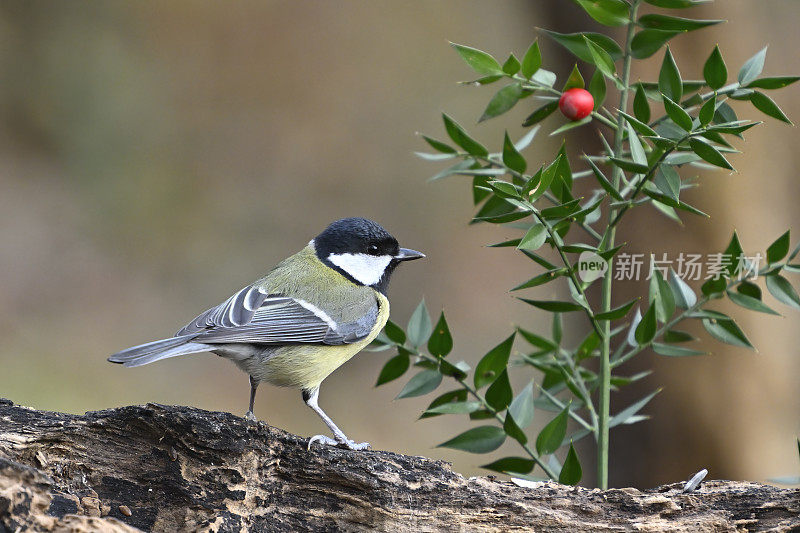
576	103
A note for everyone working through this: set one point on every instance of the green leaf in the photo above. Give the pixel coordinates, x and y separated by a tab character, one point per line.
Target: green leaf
715	72
713	287
669	78
553	306
773	83
481	62
575	43
708	153
440	342
617	312
641	108
571	472
512	158
606	12
748	302
503	188
394	368
458	370
683	295
502	101
782	290
636	148
493	363
727	331
572	125
630	166
512	65
454	169
646	330
708	110
454	396
513	465
629	412
603	181
677	114
734	252
601	59
778	249
499	393
661	296
597	88
752	67
648	42
766	105
454	408
422	383
439	146
675	351
668	181
575	80
551	436
674	335
462	139
534	238
537	340
541	279
749	289
513	430
670	23
395	333
545	181
532	60
522	408
482	439
540	114
419	325
526	139
498	210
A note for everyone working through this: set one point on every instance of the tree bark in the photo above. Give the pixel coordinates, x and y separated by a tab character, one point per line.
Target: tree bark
165	468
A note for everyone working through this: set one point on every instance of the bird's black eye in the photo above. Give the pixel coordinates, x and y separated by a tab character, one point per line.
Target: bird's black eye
372	250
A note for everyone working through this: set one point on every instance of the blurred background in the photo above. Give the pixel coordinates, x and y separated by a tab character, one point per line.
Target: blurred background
155	157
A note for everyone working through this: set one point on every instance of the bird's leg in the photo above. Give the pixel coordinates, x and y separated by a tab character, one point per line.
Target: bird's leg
253	386
311	397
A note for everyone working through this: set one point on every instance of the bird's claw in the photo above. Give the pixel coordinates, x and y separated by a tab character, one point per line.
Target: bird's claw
324	439
250	416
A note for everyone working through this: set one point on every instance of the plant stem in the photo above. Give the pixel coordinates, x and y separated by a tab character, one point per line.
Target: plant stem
604	414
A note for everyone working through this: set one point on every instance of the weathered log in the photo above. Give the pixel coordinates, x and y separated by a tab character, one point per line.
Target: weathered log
165	468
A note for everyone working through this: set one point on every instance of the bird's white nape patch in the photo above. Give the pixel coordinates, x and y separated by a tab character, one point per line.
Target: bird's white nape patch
364	268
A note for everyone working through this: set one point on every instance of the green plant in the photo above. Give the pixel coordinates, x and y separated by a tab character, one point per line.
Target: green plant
639	166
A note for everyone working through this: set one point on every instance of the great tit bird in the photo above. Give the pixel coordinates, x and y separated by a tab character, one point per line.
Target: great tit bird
305	318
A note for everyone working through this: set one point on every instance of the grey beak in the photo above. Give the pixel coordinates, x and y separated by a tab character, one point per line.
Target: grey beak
407	254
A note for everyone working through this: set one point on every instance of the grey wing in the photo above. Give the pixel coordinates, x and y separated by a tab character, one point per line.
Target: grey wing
237	310
251	316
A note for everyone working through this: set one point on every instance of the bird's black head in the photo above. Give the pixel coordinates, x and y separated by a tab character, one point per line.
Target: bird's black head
362	251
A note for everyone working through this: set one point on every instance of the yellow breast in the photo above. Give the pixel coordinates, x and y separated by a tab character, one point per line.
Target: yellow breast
305	366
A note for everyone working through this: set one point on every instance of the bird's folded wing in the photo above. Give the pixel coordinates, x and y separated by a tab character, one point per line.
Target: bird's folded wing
251	316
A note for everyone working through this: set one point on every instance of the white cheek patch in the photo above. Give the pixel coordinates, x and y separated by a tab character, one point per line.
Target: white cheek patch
364	268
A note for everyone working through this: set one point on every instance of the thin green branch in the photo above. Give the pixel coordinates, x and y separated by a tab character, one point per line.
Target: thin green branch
684	315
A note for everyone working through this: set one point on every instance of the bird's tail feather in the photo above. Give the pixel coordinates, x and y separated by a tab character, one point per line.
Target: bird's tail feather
157	350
